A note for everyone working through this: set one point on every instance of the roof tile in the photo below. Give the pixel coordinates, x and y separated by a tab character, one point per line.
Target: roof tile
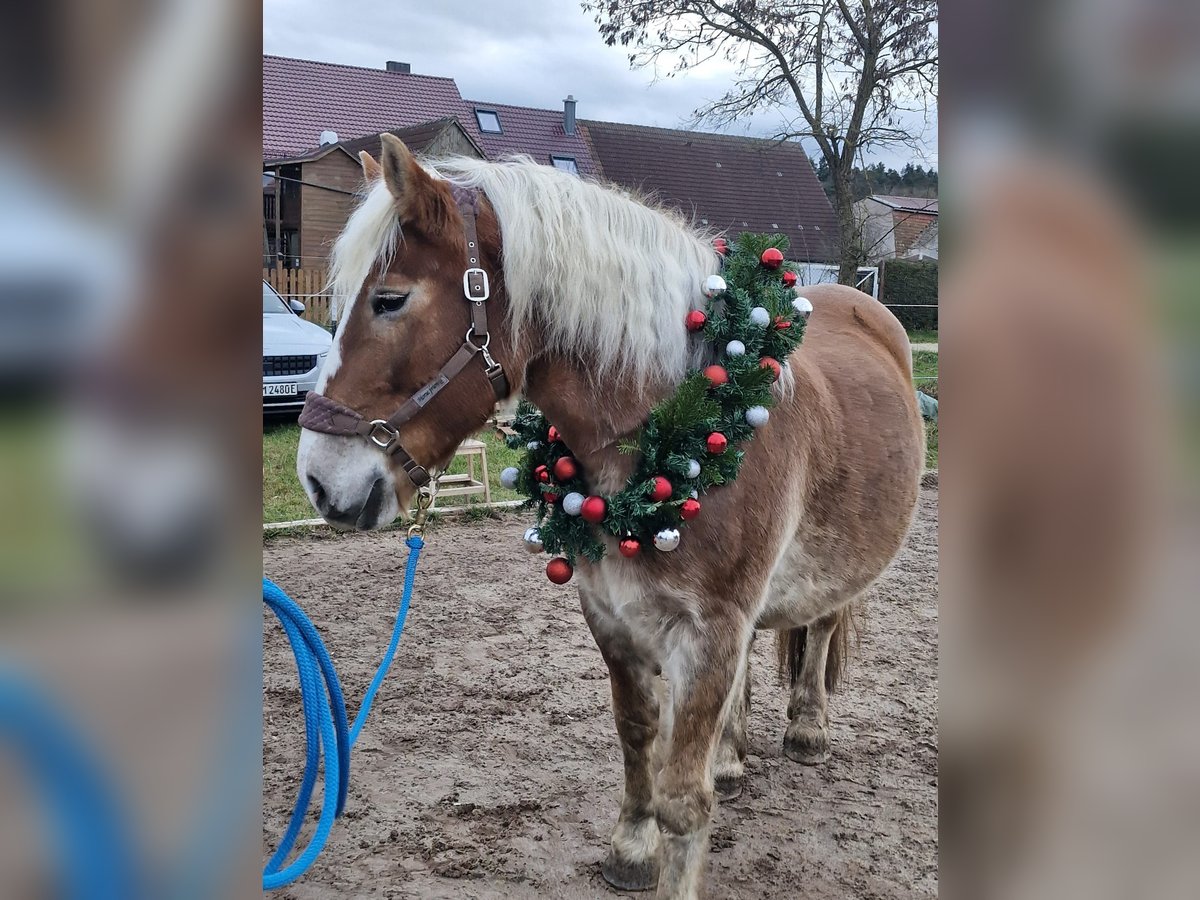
302	98
736	183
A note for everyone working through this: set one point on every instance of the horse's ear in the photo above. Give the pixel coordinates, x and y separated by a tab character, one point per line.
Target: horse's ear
405	178
371	169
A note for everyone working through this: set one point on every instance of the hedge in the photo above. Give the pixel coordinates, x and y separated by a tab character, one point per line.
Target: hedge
908	281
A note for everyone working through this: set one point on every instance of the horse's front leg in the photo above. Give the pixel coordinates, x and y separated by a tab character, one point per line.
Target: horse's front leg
703	668
632	861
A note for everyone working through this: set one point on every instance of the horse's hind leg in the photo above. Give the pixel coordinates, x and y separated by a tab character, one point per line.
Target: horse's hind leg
807	737
729	762
632	861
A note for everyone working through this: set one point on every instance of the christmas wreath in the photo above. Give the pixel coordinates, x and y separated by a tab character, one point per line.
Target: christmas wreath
690	442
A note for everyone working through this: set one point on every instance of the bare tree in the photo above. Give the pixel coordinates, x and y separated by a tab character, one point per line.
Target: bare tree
841	71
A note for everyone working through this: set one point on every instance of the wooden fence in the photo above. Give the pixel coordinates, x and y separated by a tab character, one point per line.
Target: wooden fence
305	285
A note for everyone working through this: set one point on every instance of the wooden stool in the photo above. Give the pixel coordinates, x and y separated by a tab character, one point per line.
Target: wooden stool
466	483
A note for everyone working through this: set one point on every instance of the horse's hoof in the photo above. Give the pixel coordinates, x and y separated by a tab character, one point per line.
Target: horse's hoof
806	743
728	789
629	876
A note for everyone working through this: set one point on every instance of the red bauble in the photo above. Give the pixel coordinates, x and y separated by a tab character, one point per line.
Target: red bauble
721	246
593	510
772	258
716	375
559	570
565	469
716	443
542	474
550	496
661	490
773	364
695	320
552	435
782	323
629	547
690	509
789	279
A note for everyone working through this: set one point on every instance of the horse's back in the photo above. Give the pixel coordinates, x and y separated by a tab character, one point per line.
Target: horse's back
848	323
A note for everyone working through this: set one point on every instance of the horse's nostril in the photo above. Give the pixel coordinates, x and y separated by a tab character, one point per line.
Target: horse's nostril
318	491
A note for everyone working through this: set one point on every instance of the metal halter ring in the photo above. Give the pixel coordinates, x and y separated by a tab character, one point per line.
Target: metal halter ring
378	425
487	340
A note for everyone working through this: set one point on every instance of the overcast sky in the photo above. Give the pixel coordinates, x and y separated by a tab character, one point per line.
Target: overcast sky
524	52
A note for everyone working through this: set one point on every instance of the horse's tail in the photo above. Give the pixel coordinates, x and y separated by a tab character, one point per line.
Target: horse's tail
790	647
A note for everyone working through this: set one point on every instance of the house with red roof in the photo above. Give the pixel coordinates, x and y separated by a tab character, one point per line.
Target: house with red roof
316	116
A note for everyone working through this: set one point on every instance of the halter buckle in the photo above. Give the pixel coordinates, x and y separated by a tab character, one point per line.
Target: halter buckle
485	285
378	426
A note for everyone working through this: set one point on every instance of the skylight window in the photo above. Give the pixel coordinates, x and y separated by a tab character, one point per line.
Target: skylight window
489	121
566	163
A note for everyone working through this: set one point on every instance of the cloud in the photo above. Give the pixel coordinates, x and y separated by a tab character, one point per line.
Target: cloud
523	52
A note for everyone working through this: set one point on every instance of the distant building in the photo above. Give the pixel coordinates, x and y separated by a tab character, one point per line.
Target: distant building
305	102
308	198
724	182
317	116
898	227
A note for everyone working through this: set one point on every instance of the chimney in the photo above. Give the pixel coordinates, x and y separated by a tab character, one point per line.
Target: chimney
569	114
401	67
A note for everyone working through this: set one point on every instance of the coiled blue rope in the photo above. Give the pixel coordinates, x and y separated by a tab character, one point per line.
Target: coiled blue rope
326	734
98	862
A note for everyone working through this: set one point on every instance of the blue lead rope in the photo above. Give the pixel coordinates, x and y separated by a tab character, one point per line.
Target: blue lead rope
326	735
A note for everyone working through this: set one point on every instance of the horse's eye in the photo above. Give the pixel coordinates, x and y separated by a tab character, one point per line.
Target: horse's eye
388	303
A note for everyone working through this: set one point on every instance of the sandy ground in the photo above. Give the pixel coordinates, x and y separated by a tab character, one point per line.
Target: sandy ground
490	766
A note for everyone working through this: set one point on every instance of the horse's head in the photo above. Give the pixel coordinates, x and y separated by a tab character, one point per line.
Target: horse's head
408	376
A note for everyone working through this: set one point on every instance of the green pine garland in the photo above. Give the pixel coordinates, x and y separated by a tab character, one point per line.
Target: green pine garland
678	428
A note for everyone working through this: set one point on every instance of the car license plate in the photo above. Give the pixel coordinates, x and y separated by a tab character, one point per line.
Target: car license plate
279	390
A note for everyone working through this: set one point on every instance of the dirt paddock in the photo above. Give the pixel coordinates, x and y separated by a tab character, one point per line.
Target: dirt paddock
490	766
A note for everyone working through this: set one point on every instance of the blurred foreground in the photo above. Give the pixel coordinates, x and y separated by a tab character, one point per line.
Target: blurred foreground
1070	741
129	548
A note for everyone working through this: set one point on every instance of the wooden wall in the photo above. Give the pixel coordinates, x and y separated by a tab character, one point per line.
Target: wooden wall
324	213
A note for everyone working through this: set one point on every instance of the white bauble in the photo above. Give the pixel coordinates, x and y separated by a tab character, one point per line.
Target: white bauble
735	348
713	285
756	416
760	317
533	540
533	445
693	469
803	306
572	504
695	495
508	477
667	539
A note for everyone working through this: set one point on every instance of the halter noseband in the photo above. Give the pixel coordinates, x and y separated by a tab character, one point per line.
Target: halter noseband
330	417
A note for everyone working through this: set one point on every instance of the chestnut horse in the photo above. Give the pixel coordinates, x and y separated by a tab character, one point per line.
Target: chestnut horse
587	289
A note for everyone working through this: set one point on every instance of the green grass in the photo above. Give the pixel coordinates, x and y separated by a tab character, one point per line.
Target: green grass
931	445
284	499
922	336
925	373
925	365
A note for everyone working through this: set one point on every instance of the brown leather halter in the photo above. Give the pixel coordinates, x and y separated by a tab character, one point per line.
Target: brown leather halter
330	417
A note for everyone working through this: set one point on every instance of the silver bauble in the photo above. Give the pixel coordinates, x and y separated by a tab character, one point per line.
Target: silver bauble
667	539
533	540
713	285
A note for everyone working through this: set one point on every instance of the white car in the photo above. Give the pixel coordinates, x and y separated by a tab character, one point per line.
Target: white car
293	352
